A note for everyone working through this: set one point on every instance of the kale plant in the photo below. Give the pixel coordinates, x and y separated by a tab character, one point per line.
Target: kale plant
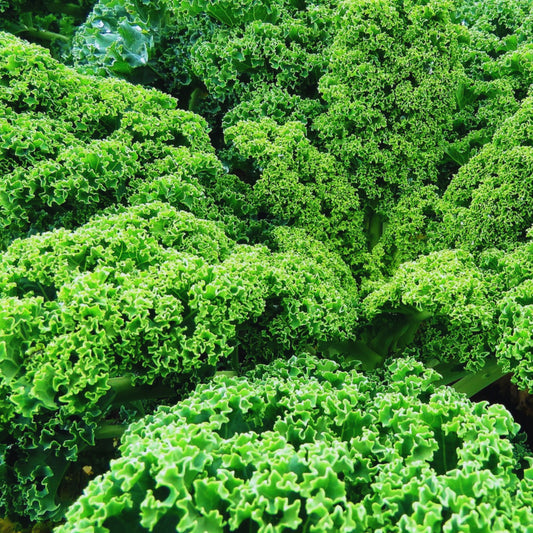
74	145
306	445
153	296
345	178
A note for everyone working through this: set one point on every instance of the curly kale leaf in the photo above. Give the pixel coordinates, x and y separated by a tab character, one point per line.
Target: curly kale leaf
488	201
73	145
309	446
150	294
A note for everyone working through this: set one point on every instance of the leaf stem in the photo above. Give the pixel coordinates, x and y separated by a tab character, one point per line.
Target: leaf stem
124	391
44	35
477	381
110	431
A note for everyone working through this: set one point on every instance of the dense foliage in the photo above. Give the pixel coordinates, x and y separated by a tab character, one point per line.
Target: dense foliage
73	145
393	97
152	293
305	446
349	179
